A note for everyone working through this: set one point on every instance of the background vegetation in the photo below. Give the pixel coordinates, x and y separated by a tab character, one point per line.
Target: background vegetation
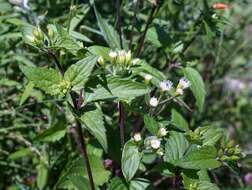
37	149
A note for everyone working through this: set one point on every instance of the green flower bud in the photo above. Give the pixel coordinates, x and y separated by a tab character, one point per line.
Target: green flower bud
51	33
38	34
101	60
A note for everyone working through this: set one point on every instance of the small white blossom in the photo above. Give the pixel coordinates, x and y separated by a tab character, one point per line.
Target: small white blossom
155	143
112	54
128	56
154	102
163	132
148	77
180	91
31	38
100	60
166	85
184	83
160	152
137	137
135	61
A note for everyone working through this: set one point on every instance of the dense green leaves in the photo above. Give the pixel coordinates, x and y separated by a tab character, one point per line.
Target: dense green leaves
46	79
197	86
79	73
175	147
93	121
179	120
130	160
152	125
198	157
118	88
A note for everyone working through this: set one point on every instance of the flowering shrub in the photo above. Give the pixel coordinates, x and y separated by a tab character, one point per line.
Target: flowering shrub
122	105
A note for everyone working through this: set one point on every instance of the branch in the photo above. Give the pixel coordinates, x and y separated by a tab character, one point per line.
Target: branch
133	23
76	131
118	21
149	21
121	123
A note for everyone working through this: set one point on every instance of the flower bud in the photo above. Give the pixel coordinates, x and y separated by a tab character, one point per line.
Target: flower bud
137	137
154	102
179	91
38	33
128	57
100	60
121	57
135	61
183	83
147	78
163	132
113	55
220	6
51	33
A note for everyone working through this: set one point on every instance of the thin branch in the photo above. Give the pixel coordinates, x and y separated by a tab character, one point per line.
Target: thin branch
149	21
121	122
133	23
77	131
118	21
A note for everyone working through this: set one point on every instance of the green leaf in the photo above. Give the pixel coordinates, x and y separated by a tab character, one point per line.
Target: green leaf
100	51
197	86
117	184
139	184
200	158
46	79
211	135
144	68
26	93
54	133
205	185
93	121
130	160
179	120
78	74
76	169
42	175
20	153
63	40
118	88
175	147
152	125
109	33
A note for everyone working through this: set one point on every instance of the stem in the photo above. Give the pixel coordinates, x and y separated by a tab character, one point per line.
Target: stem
76	131
121	123
133	23
149	21
118	21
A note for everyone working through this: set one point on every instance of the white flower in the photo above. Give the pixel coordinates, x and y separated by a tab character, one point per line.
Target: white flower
128	56
137	137
112	54
184	83
166	85
155	143
180	91
31	38
160	152
154	102
100	60
135	61
163	132
147	77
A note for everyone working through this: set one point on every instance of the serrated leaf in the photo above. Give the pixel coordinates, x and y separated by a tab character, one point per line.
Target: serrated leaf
211	135
100	51
197	159
117	184
197	86
109	33
130	160
139	184
43	78
118	88
54	133
76	170
42	175
93	121
27	92
205	185
175	147
20	153
179	120
78	73
152	125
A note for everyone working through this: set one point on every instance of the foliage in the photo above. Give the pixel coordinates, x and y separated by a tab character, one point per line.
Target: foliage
125	95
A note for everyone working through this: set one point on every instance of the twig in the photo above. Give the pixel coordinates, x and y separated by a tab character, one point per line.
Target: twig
76	131
121	123
149	21
133	23
118	21
159	181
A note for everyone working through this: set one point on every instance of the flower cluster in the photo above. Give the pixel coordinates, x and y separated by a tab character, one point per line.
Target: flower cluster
121	58
167	86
